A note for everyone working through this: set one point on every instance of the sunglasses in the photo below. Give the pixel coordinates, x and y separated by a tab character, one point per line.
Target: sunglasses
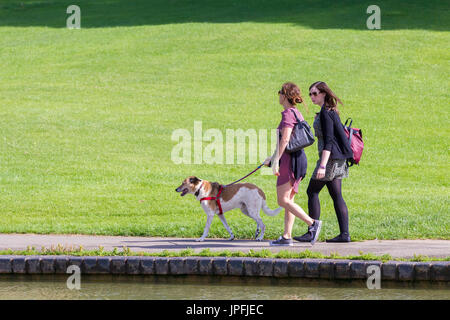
280	92
313	94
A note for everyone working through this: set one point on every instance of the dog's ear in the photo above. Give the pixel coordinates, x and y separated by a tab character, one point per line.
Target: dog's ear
194	180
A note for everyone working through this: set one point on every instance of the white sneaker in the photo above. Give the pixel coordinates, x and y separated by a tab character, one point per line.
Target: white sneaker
282	242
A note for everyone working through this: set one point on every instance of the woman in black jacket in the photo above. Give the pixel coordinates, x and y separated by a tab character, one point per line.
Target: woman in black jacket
331	168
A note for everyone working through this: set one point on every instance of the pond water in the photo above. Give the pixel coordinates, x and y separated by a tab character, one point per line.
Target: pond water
37	287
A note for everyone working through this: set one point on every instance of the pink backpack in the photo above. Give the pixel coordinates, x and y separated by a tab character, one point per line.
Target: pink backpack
355	140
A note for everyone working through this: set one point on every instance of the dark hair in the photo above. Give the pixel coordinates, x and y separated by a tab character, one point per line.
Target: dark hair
292	93
331	100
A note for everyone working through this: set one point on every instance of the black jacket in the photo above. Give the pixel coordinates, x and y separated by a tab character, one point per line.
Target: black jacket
299	164
335	139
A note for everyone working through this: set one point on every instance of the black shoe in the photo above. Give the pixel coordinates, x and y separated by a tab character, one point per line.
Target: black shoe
304	238
315	231
343	237
307	237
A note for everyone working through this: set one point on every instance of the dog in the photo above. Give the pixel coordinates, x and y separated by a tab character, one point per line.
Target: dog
246	196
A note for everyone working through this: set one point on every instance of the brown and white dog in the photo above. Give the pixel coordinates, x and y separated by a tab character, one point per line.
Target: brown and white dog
245	196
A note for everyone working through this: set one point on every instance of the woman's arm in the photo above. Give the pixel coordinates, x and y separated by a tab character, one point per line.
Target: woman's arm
327	124
285	136
323	163
281	146
287	123
328	133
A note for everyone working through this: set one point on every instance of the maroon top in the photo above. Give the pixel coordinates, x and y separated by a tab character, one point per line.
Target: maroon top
286	173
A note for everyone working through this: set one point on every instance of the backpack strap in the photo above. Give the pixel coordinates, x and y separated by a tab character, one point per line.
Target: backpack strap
350	130
349	163
350	137
351	121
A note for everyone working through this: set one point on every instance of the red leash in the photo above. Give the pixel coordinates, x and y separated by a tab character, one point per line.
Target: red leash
221	188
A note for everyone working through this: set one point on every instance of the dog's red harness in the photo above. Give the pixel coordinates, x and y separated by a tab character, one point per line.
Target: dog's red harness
215	198
221	188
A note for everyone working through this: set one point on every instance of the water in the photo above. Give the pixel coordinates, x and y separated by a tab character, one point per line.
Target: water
37	287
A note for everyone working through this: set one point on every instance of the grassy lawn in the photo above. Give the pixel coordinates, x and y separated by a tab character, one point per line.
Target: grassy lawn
86	116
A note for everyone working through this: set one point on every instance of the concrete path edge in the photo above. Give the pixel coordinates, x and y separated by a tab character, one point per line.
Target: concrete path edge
228	266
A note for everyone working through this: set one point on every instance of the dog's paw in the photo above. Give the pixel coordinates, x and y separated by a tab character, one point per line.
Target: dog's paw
259	239
200	239
231	238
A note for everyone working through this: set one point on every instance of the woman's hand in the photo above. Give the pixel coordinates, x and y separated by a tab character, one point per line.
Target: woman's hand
323	163
277	168
320	173
267	161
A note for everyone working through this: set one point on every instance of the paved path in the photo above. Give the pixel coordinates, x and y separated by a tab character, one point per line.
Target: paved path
396	248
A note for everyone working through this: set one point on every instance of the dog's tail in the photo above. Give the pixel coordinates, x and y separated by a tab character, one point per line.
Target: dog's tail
268	211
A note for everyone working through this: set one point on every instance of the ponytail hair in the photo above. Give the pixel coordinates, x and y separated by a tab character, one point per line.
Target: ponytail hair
293	94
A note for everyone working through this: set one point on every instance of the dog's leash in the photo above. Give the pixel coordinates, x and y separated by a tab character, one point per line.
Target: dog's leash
245	176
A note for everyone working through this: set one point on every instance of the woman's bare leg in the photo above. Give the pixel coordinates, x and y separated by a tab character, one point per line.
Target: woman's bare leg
289	219
285	201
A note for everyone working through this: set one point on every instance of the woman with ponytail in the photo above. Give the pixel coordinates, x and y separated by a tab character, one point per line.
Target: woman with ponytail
290	167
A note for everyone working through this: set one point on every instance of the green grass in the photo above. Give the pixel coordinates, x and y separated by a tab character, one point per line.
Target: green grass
264	253
86	116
